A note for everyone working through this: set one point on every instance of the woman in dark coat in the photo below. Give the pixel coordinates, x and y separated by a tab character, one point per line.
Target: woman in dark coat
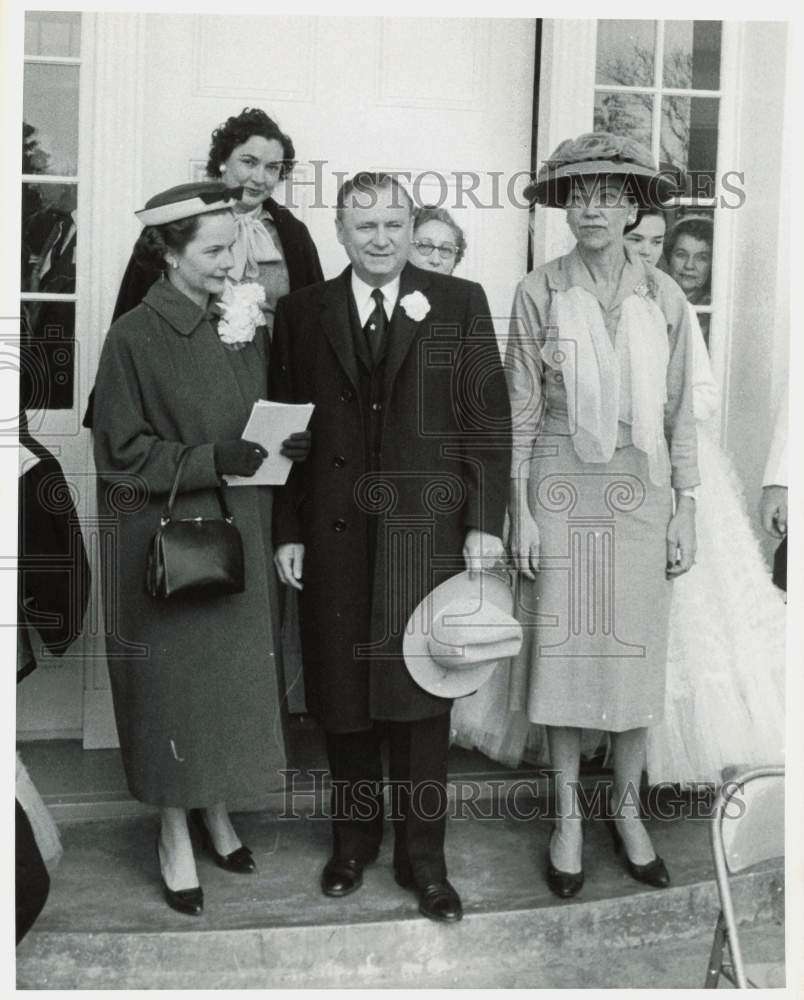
272	247
196	683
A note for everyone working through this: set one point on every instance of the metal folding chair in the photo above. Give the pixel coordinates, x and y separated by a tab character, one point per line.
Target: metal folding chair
747	828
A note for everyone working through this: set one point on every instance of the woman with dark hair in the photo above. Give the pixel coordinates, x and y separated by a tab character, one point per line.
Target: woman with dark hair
438	241
251	152
688	252
196	683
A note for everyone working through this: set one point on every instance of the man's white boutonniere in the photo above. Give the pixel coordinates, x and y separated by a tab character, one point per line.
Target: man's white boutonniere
240	312
416	306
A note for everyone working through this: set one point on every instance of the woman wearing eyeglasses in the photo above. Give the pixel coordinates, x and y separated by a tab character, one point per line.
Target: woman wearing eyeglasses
438	242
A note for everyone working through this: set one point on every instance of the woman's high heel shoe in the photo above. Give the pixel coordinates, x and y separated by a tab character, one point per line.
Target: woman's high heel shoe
562	884
239	861
188	901
654	873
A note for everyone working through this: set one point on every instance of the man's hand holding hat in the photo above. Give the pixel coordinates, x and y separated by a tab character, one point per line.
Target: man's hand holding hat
482	551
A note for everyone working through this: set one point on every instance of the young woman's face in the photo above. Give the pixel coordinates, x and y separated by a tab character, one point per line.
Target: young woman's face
648	238
255	166
202	266
690	263
431	236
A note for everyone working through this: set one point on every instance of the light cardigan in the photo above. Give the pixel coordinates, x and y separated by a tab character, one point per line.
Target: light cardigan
537	391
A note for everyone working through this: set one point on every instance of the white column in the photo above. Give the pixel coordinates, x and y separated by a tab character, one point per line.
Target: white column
110	171
566	110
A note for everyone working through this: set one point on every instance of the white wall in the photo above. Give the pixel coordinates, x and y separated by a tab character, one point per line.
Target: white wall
409	94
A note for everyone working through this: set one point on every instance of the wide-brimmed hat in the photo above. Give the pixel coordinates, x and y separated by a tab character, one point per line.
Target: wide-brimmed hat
186	200
600	154
460	632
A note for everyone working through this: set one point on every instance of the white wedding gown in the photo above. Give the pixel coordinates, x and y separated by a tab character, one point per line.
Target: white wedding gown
725	669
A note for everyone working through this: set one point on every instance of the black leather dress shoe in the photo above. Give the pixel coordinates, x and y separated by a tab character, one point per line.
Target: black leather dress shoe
340	877
565	885
187	901
239	861
654	873
440	901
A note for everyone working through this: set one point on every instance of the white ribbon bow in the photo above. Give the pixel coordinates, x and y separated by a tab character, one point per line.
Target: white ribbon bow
253	246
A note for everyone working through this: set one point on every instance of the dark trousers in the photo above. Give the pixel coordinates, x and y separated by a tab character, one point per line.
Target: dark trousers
417	771
32	882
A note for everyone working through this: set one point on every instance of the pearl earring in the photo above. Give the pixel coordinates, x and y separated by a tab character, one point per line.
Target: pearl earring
173	262
223	168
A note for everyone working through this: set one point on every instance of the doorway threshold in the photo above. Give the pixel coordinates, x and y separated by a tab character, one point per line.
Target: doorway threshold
78	784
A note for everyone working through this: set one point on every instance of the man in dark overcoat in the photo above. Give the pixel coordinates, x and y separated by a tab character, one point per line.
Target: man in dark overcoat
405	486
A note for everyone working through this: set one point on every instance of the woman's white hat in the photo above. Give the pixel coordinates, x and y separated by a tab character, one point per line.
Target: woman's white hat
186	200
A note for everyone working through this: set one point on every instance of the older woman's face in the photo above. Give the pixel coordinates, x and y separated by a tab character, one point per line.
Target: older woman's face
648	238
437	248
255	166
690	263
597	213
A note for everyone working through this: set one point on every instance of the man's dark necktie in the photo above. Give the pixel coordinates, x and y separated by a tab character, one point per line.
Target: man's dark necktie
375	327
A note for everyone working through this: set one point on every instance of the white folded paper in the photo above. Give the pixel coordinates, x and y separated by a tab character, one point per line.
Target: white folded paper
269	425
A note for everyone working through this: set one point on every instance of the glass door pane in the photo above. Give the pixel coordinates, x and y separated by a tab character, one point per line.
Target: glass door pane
50	106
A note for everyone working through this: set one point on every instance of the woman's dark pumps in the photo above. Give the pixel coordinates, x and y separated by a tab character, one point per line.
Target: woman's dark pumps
239	861
562	884
654	873
187	901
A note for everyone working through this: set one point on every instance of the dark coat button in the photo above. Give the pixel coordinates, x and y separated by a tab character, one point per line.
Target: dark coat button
339	525
338	462
347	396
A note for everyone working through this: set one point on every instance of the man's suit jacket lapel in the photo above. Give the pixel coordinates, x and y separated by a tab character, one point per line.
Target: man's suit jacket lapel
403	328
336	322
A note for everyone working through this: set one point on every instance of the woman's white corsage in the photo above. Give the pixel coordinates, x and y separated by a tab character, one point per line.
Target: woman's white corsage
416	306
240	312
642	290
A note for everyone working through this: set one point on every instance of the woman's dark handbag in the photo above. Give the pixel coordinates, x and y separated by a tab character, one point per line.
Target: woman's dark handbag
195	557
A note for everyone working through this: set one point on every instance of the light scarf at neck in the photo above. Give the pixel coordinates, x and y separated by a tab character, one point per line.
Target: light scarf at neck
253	245
607	384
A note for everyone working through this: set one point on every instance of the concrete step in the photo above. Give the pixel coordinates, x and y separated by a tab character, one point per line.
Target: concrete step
106	926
